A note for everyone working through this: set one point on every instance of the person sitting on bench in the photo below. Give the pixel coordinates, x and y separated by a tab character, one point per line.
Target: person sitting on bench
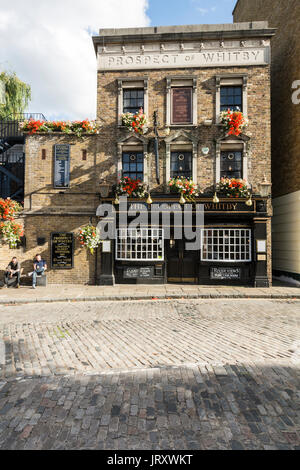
13	270
39	266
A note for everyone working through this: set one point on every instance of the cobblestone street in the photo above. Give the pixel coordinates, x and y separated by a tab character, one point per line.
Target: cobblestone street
197	374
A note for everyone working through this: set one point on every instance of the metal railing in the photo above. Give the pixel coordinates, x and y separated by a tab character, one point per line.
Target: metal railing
9	127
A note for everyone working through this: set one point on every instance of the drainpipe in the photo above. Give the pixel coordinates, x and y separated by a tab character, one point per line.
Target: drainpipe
156	144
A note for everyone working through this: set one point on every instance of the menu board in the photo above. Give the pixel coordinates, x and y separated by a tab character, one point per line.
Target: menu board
136	272
62	250
225	273
62	166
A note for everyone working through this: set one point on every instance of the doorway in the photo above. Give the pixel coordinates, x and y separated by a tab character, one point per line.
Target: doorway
182	264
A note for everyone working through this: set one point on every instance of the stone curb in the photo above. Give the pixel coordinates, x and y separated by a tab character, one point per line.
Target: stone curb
118	298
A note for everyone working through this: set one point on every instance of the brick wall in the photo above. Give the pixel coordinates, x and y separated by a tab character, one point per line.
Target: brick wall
285	70
258	113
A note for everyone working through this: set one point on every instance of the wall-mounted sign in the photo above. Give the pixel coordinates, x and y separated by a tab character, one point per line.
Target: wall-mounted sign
62	250
61	166
224	274
205	150
177	59
261	246
106	246
135	272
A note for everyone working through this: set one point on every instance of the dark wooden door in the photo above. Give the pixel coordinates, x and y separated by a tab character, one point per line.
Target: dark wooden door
182	265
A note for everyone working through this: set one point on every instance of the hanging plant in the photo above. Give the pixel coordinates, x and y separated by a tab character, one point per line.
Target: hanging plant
135	122
66	127
130	187
234	188
11	233
17	95
9	209
234	122
89	238
184	186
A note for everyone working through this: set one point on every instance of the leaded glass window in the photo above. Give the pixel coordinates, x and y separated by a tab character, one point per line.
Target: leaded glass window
231	98
232	164
133	165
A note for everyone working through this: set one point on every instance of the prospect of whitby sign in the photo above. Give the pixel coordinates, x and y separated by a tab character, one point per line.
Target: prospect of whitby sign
210	58
207	206
62	249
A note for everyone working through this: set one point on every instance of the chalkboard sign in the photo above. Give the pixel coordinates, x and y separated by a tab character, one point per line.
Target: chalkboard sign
225	273
139	273
62	250
62	166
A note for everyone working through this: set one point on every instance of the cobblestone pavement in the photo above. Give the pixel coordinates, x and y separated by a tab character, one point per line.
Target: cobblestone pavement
198	374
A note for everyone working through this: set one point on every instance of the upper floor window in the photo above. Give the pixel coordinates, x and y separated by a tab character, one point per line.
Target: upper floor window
231	164
132	95
133	165
181	101
231	93
133	100
181	105
231	98
181	164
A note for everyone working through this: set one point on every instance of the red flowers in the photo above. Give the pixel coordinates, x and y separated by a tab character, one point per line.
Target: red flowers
9	209
130	187
234	121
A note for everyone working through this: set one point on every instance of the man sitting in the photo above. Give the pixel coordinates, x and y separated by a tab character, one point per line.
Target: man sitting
13	270
39	266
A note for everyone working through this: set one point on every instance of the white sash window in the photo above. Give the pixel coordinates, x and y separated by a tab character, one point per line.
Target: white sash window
144	244
226	245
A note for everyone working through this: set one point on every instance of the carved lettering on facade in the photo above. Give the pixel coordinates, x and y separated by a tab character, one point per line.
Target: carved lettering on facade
258	56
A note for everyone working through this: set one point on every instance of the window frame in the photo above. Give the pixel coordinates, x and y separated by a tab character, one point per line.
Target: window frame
132	83
183	81
185	153
231	80
136	110
182	123
126	232
136	153
228	106
217	230
233	151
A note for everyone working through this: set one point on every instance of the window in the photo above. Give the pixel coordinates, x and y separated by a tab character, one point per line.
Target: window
231	98
62	166
133	165
145	244
132	95
226	245
181	164
182	105
133	100
231	164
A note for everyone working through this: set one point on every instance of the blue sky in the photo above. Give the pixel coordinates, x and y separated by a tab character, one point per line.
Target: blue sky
49	45
173	12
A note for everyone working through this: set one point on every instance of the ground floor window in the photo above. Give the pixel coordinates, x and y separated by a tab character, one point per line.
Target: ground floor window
145	244
227	245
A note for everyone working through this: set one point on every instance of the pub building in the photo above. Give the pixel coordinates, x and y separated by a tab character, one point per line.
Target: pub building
182	77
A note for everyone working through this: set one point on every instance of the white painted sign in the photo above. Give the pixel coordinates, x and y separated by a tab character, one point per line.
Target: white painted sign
209	58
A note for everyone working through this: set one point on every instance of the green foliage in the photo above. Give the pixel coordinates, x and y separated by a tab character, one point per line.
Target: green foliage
17	95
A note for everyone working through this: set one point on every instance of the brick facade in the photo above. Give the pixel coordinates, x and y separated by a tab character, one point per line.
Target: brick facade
48	209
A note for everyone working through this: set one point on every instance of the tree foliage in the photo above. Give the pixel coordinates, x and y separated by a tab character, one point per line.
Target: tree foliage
17	95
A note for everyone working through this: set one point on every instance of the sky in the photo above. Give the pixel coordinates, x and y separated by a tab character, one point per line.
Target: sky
48	43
